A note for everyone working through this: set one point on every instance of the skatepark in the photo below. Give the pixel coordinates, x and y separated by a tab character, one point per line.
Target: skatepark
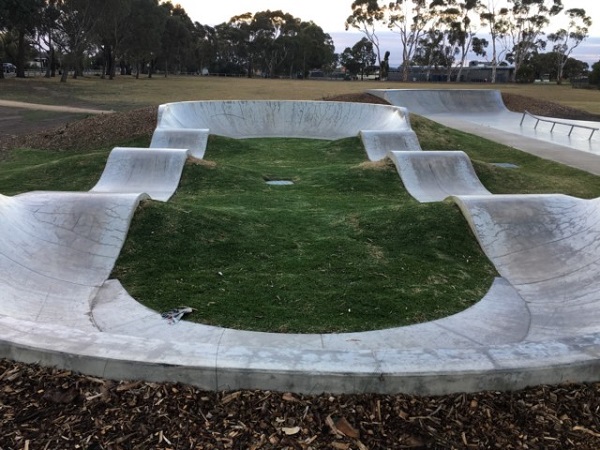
537	324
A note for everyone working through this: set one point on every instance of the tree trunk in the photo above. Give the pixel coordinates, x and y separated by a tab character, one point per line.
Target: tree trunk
21	55
1	70
64	75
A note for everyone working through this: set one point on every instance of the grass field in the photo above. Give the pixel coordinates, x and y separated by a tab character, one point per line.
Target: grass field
126	93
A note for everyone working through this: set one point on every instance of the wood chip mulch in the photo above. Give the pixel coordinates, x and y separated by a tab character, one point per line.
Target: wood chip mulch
43	408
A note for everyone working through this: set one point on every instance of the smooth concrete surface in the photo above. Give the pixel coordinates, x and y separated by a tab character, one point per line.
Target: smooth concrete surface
155	172
379	143
56	250
431	176
382	128
547	247
193	139
537	324
483	113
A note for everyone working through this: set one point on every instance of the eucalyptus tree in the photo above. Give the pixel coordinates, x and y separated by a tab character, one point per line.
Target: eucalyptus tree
366	15
74	33
21	17
428	54
231	50
46	33
527	21
317	49
360	57
496	19
410	19
205	45
460	20
567	39
144	32
241	37
273	34
111	29
177	38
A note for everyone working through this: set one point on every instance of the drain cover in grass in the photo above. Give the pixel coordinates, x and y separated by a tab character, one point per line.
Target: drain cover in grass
506	165
279	182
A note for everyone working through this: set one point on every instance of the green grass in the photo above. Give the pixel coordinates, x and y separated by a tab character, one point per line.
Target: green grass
343	249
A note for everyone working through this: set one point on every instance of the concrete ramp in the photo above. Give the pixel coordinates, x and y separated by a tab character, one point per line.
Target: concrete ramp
431	176
193	139
538	324
293	119
548	248
427	102
483	113
155	172
379	143
56	250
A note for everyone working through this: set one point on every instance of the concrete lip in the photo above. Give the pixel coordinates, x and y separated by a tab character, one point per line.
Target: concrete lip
539	323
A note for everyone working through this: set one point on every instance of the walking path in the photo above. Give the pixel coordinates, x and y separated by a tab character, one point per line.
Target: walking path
55	108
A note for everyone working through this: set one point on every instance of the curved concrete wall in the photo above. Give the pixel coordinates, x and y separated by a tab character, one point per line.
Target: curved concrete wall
431	176
444	101
56	250
300	119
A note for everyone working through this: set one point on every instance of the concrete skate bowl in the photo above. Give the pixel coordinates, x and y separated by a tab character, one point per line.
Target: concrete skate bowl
482	112
510	339
385	127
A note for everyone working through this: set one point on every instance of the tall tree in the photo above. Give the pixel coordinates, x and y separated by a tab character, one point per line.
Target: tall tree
177	42
567	39
495	19
22	17
366	14
528	19
360	57
111	29
74	33
145	27
316	47
410	19
460	19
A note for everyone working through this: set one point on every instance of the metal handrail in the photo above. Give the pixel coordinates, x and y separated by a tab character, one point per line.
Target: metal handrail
557	122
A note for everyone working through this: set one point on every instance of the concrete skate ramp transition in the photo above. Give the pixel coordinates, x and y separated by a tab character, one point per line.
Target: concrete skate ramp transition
56	250
431	176
482	112
426	102
294	119
538	324
155	171
301	119
194	139
548	248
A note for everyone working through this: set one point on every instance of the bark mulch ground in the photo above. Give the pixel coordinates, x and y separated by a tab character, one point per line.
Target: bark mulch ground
43	408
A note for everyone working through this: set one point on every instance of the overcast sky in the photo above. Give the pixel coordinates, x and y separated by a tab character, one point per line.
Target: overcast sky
330	15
